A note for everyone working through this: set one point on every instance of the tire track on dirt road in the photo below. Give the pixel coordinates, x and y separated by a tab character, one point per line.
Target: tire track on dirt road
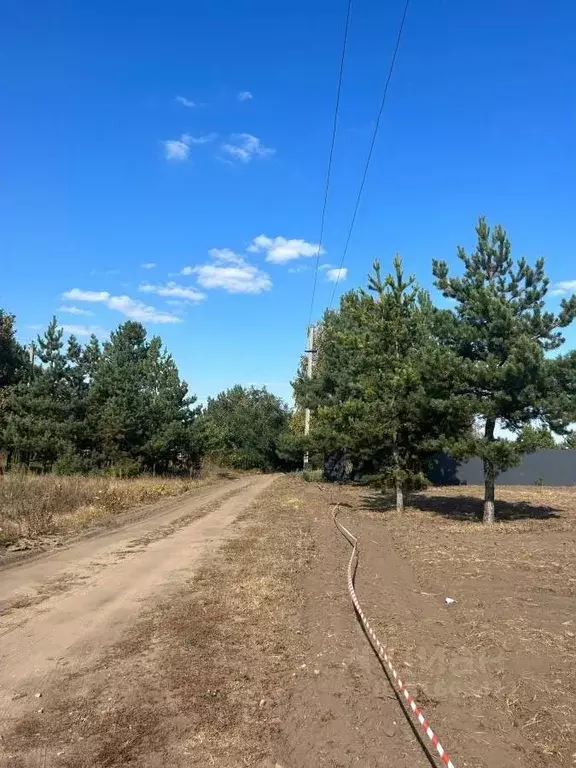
69	629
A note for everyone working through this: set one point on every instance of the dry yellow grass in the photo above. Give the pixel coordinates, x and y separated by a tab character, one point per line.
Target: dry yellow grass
39	505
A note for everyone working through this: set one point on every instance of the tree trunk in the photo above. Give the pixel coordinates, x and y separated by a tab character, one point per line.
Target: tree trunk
398	482
489	476
399	497
489	482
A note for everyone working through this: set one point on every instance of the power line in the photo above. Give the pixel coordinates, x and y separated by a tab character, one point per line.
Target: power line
330	156
371	149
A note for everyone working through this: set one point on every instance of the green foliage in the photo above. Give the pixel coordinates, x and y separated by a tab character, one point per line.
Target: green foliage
121	409
397	379
12	354
312	475
500	333
381	389
39	420
535	439
243	428
138	408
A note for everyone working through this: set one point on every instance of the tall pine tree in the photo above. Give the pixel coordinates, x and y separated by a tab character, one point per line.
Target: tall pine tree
12	354
121	408
501	332
40	424
138	408
380	393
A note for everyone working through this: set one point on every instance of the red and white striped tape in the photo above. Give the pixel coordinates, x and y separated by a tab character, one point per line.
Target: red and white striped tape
414	708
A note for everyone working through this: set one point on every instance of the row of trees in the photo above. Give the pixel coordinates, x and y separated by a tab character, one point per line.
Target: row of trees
122	407
398	379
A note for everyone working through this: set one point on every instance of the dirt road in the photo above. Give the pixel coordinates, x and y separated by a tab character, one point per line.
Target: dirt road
61	610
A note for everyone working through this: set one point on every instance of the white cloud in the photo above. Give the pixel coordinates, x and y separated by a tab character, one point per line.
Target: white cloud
137	310
148	265
185	102
132	308
279	250
76	294
173	291
231	273
72	310
335	274
563	287
246	279
244	96
84	330
176	149
218	254
179	149
226	255
206	139
244	147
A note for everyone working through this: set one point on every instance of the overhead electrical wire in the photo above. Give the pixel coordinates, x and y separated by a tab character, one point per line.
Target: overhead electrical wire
330	156
371	149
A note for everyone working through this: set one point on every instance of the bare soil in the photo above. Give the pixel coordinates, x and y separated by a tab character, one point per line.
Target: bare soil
96	590
252	656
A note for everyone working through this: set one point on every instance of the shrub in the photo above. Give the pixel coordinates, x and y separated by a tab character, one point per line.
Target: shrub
313	475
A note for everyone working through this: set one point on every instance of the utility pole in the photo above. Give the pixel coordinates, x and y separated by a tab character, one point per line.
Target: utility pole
32	353
310	362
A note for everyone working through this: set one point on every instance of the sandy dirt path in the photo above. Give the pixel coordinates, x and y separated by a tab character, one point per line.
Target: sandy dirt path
81	598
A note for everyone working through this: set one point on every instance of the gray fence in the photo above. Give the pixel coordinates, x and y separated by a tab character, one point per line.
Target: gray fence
554	467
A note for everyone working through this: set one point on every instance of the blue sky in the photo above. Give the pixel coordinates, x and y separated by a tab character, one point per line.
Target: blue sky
194	136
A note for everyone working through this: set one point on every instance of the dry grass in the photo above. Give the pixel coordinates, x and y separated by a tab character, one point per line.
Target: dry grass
39	505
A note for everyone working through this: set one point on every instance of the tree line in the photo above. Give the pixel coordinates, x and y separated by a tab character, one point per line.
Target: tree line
398	380
120	407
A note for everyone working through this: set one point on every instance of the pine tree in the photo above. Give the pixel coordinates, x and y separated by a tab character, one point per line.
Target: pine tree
380	392
119	401
138	408
40	423
174	439
91	356
533	439
12	354
86	408
12	370
406	383
501	333
50	347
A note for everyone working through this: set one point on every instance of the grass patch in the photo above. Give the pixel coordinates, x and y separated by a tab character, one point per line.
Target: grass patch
41	505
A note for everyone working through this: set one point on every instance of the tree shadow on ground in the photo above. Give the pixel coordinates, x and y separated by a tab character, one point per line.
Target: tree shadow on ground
467	508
